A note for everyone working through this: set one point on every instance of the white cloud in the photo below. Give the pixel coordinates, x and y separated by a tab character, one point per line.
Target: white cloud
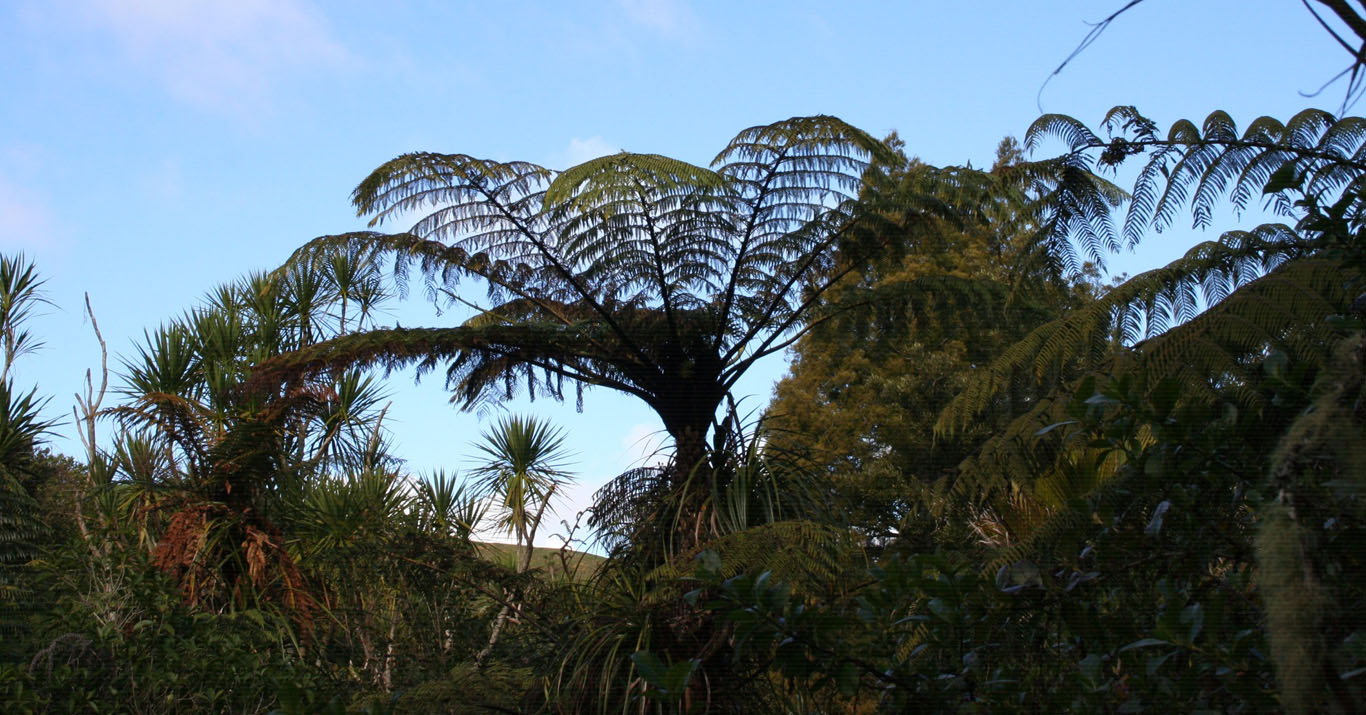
581	150
223	55
668	17
165	181
644	446
26	223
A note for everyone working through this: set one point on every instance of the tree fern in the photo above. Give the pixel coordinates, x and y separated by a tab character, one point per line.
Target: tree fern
636	272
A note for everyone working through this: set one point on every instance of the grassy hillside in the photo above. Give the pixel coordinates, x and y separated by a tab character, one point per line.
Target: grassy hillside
580	564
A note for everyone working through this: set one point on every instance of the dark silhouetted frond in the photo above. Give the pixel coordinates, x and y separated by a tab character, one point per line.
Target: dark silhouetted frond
1199	166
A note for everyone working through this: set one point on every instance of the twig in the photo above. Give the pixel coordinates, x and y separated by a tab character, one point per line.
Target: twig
89	408
1092	36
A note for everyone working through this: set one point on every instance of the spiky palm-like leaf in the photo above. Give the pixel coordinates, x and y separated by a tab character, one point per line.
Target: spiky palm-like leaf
203	466
448	505
22	428
334	514
20	292
523	467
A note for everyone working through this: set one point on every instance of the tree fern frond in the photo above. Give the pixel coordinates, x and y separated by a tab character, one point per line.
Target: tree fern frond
466	349
1200	165
412	182
1284	308
607	179
1074	210
1072	132
1143	306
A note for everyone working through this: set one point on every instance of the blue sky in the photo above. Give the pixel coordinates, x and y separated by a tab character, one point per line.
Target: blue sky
151	149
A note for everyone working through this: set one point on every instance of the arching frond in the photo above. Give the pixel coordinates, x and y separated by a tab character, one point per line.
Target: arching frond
1074	210
608	179
623	502
1199	166
636	225
794	182
479	205
1075	134
933	297
1284	309
483	362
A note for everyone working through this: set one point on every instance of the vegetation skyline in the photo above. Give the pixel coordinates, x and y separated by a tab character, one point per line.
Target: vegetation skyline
154	141
1002	473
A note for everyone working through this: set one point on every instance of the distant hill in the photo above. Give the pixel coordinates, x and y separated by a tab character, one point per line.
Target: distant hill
581	564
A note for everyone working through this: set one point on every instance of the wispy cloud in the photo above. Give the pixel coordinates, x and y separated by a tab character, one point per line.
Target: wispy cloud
581	150
222	55
26	222
668	17
644	446
165	181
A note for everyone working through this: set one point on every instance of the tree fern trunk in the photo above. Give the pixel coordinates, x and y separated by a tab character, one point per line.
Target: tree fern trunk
1308	615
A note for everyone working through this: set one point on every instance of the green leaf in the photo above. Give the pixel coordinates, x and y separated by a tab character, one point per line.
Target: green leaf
1090	669
707	566
847	679
1101	400
1165	395
1144	643
1155	523
1155	662
1195	616
1352	674
1054	426
1283	178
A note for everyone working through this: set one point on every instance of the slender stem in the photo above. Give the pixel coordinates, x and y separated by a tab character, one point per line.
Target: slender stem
89	407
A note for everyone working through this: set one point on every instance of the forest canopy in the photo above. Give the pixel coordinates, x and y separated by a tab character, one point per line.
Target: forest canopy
993	478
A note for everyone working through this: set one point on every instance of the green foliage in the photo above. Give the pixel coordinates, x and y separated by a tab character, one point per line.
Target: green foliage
1311	539
634	272
522	469
20	533
21	431
466	689
1274	285
1000	487
117	637
584	250
894	346
20	293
